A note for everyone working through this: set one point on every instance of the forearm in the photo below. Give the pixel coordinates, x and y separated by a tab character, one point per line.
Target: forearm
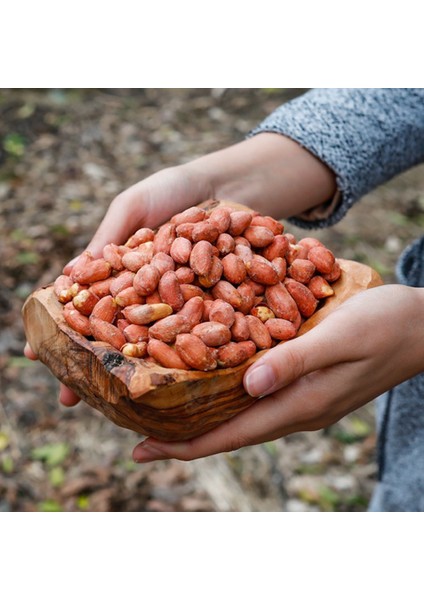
270	173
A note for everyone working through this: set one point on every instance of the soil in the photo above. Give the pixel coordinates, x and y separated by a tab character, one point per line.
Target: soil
64	154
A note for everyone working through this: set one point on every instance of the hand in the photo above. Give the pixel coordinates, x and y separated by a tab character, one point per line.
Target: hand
369	344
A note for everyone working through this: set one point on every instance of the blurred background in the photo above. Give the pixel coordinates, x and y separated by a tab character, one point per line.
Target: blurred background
64	154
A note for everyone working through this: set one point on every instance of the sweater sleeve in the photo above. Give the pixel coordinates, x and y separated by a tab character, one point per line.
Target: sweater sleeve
365	135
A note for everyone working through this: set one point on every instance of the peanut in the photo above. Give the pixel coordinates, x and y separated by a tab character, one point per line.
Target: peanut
258	333
224	290
262	271
124	280
194	352
277	248
135	333
167	329
142	314
281	303
164	237
204	231
221	312
301	270
170	290
320	287
185	274
281	329
262	312
234	268
127	297
235	353
106	309
193	310
163	262
214	275
85	301
140	237
112	255
138	350
181	250
239	220
193	214
146	280
258	236
77	321
304	298
165	355
102	331
322	258
212	333
220	218
62	287
225	243
201	257
93	271
276	227
240	328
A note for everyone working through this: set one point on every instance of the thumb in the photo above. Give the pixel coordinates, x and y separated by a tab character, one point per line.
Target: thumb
320	347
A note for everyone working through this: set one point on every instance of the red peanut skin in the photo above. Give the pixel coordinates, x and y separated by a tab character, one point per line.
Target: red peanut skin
258	333
138	350
301	270
163	262
164	237
103	331
320	287
106	309
240	328
276	227
85	301
185	275
102	288
234	268
281	329
214	275
143	314
168	328
221	312
134	260
194	214
239	220
224	290
334	274
204	231
185	230
112	255
322	258
146	280
278	247
201	257
258	236
166	355
220	218
181	250
194	352
262	271
170	291
280	266
93	271
212	333
225	243
141	236
189	291
124	280
235	353
304	298
281	303
248	297
128	297
136	333
62	284
193	310
77	321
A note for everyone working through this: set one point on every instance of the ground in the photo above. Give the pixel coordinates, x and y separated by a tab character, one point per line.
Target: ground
64	154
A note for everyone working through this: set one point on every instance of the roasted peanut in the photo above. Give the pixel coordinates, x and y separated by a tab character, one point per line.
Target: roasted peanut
194	352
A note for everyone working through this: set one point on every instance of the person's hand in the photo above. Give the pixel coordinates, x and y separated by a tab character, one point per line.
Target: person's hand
269	173
369	344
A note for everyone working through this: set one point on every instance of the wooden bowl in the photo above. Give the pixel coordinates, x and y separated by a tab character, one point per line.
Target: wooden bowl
169	404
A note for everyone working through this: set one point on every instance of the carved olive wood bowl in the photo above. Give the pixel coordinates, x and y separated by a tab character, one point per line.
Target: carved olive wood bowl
169	404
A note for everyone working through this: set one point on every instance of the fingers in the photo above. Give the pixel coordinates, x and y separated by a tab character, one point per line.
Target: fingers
29	353
67	396
323	346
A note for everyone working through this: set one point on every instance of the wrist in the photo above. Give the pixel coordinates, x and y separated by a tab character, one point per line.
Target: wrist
268	172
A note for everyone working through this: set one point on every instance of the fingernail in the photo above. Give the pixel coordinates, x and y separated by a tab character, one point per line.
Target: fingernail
260	380
146	453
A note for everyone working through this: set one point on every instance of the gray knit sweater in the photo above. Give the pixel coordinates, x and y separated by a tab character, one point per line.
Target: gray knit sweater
367	136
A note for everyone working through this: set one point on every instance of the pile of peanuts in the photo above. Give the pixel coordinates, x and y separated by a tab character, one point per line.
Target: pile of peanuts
207	290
